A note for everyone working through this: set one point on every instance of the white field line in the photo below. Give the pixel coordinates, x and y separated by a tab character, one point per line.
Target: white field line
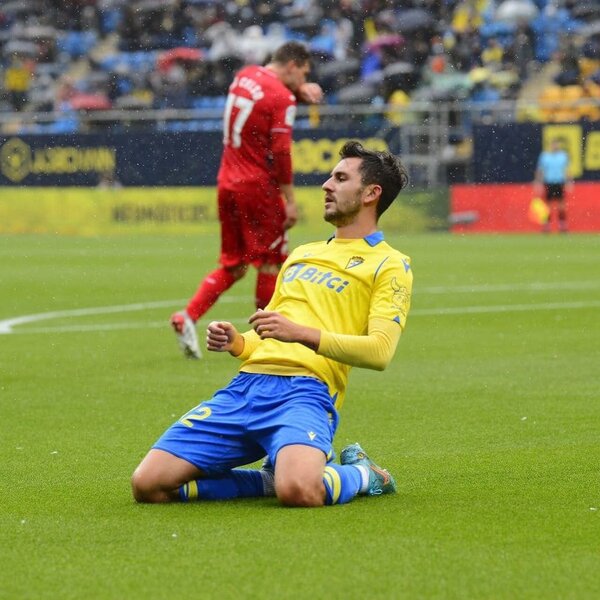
470	310
7	325
510	287
457	310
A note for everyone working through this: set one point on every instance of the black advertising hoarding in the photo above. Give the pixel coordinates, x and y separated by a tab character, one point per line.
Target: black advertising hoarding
157	159
509	153
144	159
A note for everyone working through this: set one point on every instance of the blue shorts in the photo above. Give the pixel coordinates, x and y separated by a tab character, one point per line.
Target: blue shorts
254	415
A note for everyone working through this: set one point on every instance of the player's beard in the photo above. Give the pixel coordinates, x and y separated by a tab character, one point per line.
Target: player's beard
344	214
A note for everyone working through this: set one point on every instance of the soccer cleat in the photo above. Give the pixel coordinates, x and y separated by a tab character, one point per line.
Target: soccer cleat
185	331
380	481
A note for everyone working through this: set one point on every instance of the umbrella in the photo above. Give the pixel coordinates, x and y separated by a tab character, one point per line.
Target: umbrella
590	48
20	6
399	68
338	67
152	5
401	76
584	10
392	40
90	102
336	74
516	12
168	58
21	47
415	19
590	30
39	32
357	93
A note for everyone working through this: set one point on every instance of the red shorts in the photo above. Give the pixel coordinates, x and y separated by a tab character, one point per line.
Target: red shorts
252	227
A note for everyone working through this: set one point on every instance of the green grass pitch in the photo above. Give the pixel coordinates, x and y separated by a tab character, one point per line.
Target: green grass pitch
488	417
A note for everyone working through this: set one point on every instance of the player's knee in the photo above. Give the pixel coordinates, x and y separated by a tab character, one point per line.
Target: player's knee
300	493
238	272
269	269
144	489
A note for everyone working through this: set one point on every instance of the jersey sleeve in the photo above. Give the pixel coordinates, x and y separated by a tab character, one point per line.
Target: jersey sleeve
284	114
251	341
372	351
392	290
390	303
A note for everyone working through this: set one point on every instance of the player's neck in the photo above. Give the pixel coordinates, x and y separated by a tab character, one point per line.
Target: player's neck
355	231
274	68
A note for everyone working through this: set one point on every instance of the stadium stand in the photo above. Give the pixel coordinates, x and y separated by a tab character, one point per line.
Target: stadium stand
73	56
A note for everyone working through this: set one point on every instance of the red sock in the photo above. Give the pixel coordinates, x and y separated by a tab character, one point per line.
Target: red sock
265	286
212	286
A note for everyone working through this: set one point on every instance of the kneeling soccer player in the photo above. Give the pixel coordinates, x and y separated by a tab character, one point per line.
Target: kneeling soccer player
337	304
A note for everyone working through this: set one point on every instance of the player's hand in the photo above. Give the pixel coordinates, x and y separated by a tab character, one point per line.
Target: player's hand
270	324
220	336
310	92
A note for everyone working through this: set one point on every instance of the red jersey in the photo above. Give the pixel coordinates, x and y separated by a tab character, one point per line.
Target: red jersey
257	131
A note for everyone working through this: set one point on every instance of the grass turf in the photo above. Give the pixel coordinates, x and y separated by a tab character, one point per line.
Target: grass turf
488	417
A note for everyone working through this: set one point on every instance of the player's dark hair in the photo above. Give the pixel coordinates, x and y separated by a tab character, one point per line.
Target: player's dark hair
295	51
381	168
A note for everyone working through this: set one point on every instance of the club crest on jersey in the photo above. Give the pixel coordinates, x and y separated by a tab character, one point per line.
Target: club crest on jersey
400	297
355	261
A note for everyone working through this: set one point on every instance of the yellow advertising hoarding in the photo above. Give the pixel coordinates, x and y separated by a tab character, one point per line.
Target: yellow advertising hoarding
92	211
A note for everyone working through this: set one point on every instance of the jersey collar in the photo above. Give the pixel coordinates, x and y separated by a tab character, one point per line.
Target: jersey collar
373	239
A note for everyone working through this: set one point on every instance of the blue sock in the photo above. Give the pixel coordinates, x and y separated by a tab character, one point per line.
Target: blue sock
342	483
238	483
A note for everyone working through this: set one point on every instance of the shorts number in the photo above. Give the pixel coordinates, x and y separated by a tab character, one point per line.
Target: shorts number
245	106
198	414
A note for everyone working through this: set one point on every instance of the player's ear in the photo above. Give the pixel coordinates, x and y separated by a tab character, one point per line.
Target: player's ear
372	193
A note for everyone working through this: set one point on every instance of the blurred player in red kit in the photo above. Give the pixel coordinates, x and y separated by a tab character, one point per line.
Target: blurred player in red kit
255	181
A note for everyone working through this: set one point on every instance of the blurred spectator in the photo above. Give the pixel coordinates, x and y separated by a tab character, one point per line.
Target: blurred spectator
17	81
492	55
108	180
522	51
110	46
568	59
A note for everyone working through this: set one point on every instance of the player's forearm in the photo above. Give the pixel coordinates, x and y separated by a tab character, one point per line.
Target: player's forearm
307	336
282	163
291	209
287	190
372	351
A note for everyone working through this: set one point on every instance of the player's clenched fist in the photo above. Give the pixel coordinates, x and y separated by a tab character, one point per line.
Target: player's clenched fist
220	336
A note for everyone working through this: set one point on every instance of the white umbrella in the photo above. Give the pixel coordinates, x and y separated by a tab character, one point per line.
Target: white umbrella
20	47
516	12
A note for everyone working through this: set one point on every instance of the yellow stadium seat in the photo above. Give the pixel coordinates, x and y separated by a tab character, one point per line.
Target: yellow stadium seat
588	66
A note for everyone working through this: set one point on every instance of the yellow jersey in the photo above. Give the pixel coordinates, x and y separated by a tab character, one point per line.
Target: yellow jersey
343	287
